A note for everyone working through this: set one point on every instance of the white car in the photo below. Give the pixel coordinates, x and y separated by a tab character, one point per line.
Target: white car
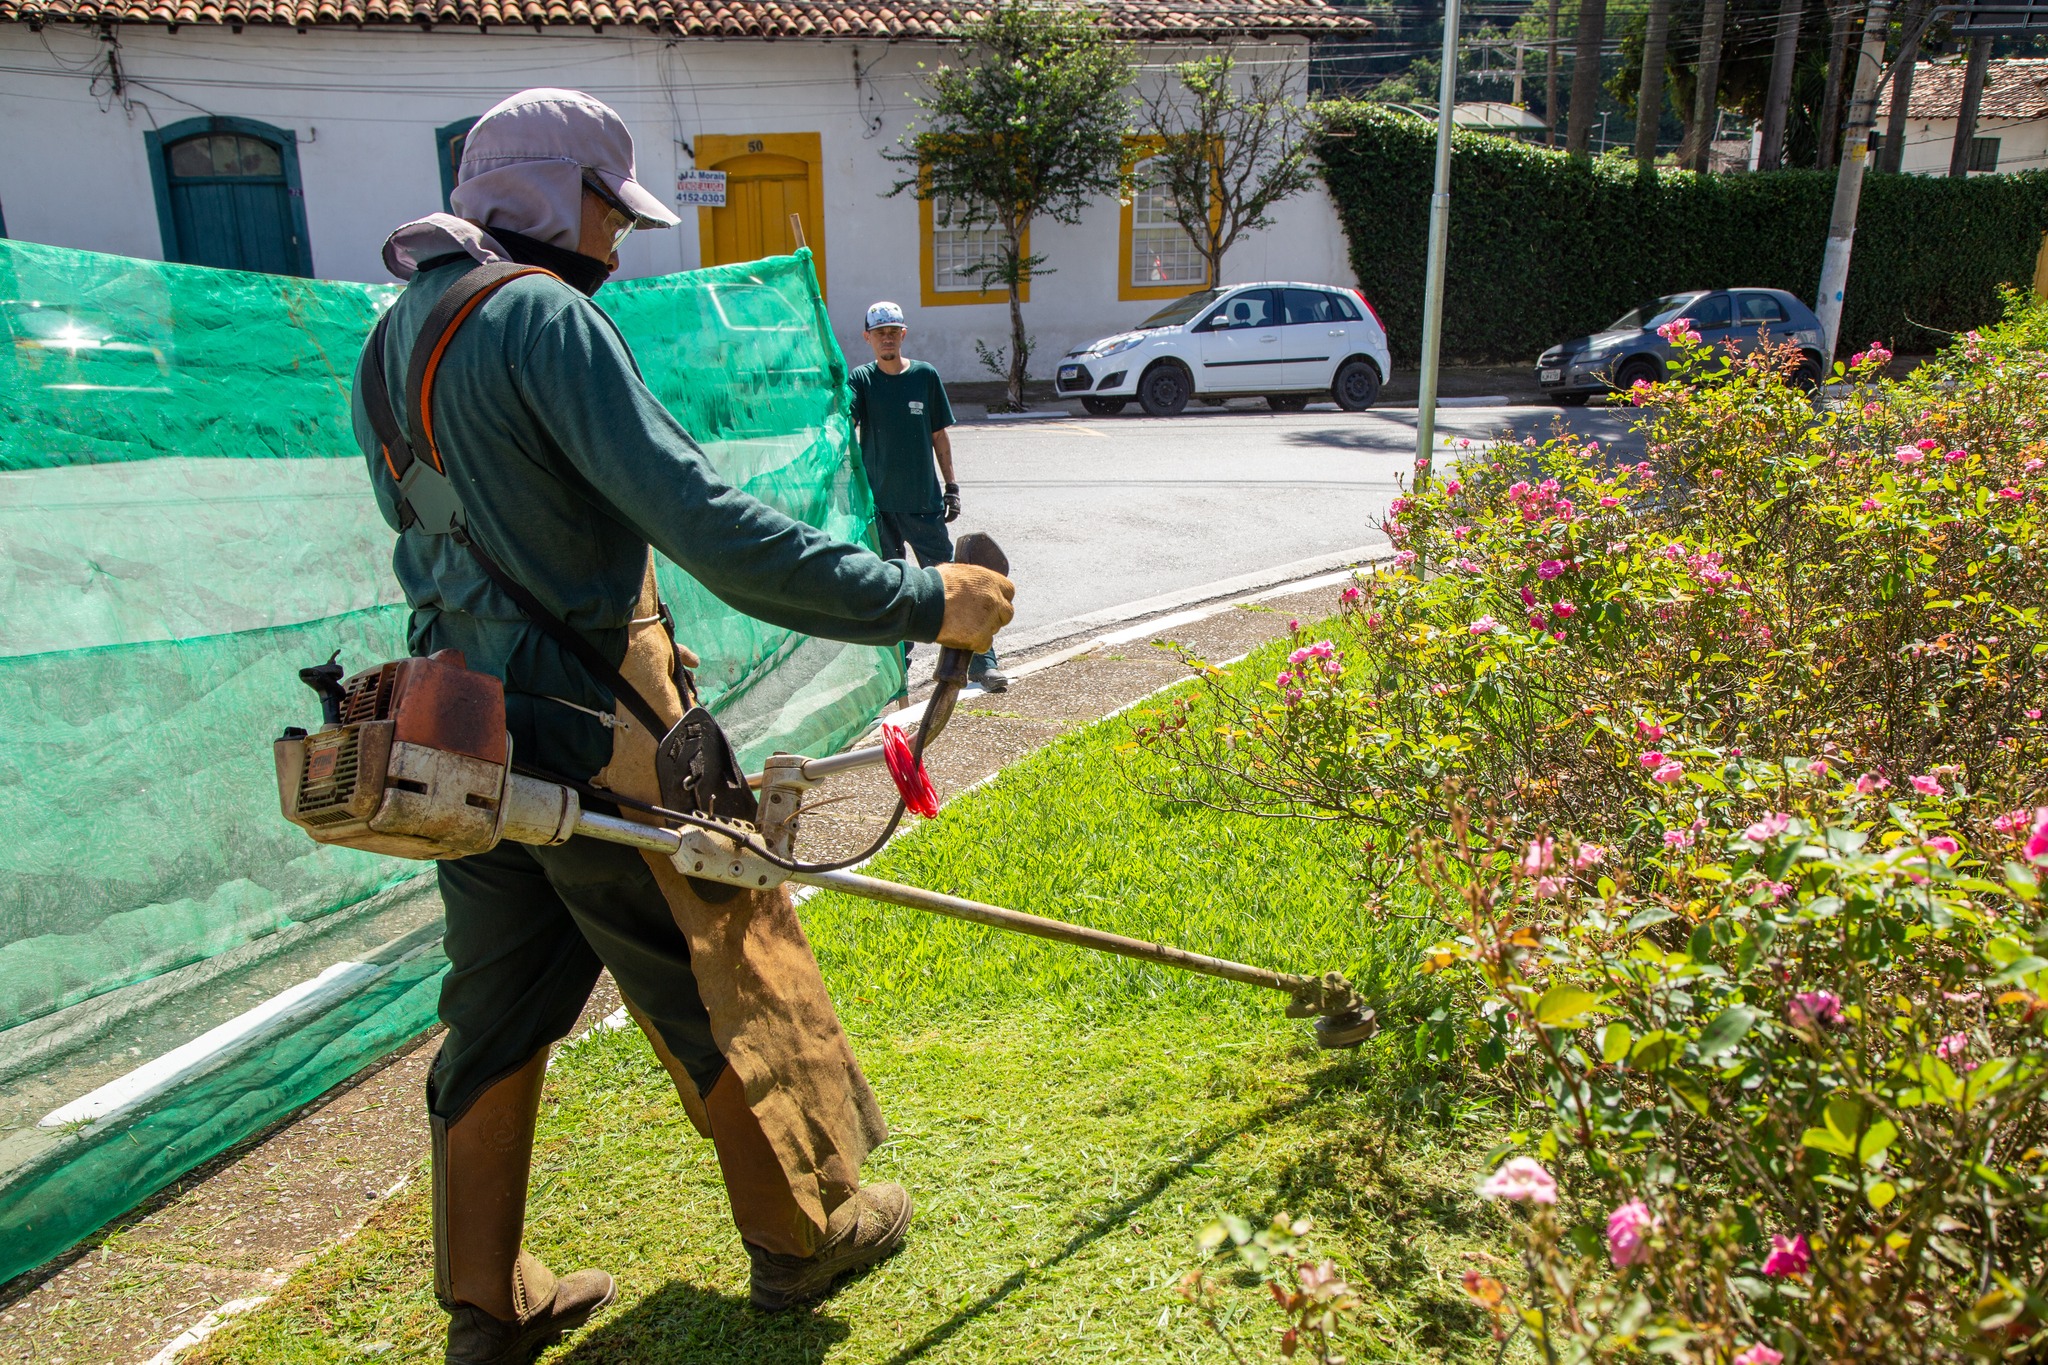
1288	342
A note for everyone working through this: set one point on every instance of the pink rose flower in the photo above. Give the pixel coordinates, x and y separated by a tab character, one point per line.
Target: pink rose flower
1678	838
1927	786
1372	622
1670	772
1539	856
1610	502
1761	1354
1909	455
1485	625
2012	822
1549	569
1870	782
1776	891
1521	1178
1562	609
1789	1256
1350	594
1627	1227
1528	597
2037	843
1955	455
1651	759
1815	1009
1945	845
1768	828
1588	855
1926	445
1867	505
1404	559
1650	730
1453	488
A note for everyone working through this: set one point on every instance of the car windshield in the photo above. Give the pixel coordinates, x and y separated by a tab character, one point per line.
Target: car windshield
1183	309
1655	313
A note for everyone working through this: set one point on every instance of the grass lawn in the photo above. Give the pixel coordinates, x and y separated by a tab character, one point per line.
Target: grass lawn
1067	1122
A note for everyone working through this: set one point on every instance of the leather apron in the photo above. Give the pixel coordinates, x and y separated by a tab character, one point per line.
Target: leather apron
760	983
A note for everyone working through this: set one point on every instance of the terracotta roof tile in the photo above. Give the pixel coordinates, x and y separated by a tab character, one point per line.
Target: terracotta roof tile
2014	87
868	19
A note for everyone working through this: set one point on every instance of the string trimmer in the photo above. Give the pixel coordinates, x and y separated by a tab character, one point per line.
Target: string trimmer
414	760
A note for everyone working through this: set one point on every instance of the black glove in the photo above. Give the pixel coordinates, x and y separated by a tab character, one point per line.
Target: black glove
952	502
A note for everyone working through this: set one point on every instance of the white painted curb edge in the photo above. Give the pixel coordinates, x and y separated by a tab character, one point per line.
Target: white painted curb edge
204	1328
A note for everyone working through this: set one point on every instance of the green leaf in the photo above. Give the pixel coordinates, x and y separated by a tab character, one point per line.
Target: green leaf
1729	1027
1880	1193
1614	1041
1826	1140
1651	1051
1844	1116
1876	1138
1688	1089
1565	1006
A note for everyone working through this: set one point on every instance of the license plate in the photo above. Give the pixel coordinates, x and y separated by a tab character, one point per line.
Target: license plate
1069	371
1552	376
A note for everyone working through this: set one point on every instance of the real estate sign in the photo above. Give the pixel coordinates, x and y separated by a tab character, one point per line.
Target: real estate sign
700	189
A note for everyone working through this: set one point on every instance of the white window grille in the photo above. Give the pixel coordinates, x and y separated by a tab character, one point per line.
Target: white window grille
1161	252
961	255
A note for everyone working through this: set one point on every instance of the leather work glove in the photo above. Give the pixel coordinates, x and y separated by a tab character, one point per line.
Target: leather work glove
977	606
952	502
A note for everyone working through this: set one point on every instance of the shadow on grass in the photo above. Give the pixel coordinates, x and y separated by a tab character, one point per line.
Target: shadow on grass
681	1323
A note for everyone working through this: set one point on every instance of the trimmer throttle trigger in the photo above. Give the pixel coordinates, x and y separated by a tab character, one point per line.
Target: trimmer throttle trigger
979	549
326	680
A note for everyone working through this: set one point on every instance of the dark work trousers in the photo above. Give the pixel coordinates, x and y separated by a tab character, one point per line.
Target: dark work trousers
528	929
925	534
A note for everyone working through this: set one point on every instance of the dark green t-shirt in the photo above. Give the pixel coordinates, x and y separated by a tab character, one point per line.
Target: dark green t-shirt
896	415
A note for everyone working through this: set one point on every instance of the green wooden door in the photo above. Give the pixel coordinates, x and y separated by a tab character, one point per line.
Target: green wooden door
230	199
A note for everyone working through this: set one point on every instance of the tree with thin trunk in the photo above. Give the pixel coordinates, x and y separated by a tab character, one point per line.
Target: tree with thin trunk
1778	95
1650	93
1706	107
1912	25
1230	147
1550	79
1030	123
1842	14
1966	117
1592	36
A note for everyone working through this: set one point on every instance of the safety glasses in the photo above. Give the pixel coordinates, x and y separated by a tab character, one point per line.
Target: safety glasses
619	220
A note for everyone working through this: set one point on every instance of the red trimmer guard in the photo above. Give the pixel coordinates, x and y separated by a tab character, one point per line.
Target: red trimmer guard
908	774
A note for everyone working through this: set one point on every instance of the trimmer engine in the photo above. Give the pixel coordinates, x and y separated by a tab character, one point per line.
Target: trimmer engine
414	761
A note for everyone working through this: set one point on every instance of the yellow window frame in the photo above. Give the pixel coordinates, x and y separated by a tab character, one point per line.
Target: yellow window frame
712	148
1136	150
929	292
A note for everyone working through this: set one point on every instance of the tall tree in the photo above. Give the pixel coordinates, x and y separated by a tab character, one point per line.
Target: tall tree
1778	96
1707	93
1842	14
1550	79
1230	148
1030	123
1966	117
1913	23
1650	93
1592	35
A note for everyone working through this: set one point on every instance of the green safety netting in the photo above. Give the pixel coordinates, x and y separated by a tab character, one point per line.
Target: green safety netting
184	523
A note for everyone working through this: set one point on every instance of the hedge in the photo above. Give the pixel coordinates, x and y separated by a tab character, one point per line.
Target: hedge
1544	248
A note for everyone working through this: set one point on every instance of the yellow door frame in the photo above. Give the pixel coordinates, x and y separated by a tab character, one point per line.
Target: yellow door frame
929	292
808	148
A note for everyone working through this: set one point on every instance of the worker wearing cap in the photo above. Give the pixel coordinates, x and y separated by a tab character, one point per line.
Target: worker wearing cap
567	470
901	413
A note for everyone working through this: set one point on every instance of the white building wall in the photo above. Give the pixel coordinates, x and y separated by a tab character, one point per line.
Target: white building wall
2022	144
364	106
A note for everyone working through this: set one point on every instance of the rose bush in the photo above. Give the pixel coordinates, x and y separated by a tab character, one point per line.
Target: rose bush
1861	593
1725	770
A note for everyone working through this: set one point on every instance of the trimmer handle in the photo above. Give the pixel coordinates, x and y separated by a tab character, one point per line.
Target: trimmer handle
980	550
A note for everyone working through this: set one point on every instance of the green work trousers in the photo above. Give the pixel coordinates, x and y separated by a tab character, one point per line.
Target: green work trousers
528	930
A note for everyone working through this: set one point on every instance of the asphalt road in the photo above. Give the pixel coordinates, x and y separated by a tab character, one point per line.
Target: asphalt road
1099	512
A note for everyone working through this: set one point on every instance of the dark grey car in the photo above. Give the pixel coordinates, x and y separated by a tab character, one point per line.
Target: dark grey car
1629	349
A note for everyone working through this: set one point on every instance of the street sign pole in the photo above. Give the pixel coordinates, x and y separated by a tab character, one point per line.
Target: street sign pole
1834	265
1439	241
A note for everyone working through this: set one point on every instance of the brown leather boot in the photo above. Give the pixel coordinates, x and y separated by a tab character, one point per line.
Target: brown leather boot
793	1260
503	1305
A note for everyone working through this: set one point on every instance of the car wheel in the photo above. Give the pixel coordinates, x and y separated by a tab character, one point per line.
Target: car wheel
1637	370
1807	377
1287	402
1357	386
1164	390
1104	407
1570	400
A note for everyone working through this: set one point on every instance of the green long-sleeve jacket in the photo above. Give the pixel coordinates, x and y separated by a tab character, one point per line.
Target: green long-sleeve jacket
568	468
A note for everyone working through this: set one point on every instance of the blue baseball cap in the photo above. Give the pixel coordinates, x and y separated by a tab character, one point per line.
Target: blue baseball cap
885	314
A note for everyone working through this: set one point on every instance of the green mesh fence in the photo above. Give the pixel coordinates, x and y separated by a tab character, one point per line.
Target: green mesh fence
184	523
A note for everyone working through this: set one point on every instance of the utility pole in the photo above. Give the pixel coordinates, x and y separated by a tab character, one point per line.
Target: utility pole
1973	100
1519	47
1834	266
1706	104
1586	75
1778	98
1550	78
1650	93
1439	244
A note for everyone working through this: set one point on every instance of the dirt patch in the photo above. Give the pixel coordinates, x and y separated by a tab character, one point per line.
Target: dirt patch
237	1227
